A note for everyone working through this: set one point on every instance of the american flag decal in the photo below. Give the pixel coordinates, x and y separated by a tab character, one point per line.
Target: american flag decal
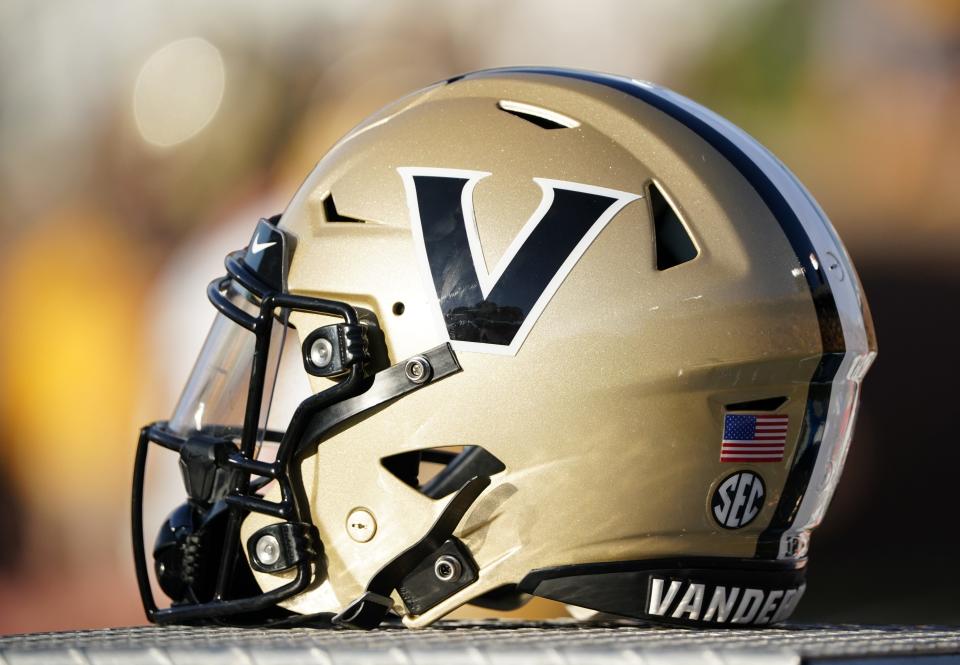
754	438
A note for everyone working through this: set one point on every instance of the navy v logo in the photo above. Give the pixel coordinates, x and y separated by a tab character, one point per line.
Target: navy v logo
493	312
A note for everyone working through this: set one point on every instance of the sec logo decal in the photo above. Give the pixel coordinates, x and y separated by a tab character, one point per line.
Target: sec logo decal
738	499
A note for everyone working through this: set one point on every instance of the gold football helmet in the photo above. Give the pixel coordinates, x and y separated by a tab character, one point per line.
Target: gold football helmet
567	335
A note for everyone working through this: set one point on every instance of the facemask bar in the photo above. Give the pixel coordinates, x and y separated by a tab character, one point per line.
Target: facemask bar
233	467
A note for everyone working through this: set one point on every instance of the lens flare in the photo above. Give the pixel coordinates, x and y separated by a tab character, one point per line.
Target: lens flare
178	91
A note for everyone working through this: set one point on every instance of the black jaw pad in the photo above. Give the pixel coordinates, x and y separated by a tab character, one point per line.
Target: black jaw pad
697	592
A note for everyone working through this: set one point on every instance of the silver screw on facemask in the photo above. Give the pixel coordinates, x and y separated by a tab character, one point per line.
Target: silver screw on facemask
321	353
447	568
268	550
418	369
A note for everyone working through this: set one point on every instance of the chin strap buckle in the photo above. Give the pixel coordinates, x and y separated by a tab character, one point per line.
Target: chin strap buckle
367	611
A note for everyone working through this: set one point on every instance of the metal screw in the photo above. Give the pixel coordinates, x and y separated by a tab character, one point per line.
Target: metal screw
418	369
447	568
321	352
835	266
268	550
361	525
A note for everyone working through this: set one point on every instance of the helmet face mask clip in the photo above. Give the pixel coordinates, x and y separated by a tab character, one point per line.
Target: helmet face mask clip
566	335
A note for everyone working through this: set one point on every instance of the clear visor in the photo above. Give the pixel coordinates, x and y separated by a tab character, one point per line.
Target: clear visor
214	400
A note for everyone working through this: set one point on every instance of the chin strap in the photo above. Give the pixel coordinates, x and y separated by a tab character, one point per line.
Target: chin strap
370	609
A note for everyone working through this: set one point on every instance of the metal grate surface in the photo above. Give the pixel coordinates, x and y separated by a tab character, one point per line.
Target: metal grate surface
488	643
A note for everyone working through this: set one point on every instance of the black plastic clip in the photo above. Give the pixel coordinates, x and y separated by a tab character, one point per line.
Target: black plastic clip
440	575
203	462
367	611
282	546
332	350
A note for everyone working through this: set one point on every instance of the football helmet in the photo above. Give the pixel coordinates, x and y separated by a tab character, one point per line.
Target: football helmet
567	335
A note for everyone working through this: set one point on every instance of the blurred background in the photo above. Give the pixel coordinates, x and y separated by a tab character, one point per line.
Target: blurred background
140	141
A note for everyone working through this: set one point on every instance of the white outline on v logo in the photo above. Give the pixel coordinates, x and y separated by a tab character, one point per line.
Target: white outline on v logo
488	279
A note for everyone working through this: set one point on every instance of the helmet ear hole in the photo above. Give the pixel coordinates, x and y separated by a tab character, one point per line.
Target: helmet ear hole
439	472
405	466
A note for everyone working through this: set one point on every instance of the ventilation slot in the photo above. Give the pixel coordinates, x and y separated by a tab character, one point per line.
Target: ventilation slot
438	472
674	244
543	118
333	216
768	404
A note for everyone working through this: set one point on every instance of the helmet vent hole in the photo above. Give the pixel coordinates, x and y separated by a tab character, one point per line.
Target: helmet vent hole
399	308
674	244
543	118
333	216
766	404
439	472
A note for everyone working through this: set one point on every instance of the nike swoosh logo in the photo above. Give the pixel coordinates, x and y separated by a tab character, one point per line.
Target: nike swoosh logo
258	246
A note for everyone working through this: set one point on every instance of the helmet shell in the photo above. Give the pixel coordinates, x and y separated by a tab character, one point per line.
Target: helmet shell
609	411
